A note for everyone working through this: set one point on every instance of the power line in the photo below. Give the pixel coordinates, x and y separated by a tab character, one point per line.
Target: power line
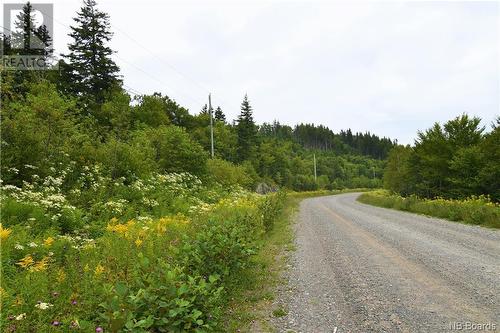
134	65
132	90
161	59
155	78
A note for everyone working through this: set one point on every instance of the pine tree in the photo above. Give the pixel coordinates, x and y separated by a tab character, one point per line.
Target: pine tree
91	71
28	40
23	33
247	131
5	45
44	41
219	115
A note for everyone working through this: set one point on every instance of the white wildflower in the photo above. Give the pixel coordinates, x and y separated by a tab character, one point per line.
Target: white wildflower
21	316
43	306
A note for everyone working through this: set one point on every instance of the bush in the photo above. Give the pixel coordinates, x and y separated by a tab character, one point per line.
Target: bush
474	210
166	274
174	150
228	174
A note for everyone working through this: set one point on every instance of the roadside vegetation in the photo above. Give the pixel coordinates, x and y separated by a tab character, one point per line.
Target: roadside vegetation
251	306
114	216
478	210
456	160
159	255
452	171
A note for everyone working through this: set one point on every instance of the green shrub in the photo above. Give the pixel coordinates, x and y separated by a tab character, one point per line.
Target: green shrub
167	274
474	210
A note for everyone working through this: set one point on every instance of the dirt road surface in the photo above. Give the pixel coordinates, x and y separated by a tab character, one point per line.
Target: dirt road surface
359	268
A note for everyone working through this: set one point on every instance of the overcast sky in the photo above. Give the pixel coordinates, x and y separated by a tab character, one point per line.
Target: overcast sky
386	67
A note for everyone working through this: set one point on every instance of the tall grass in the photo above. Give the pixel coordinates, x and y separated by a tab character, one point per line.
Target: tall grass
478	210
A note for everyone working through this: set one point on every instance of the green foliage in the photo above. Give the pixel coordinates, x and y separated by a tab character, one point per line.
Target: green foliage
174	150
397	172
152	111
453	161
474	210
219	115
228	174
128	159
36	131
148	274
271	207
91	72
247	131
112	215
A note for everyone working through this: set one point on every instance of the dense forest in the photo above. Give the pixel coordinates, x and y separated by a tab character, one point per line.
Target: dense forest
82	114
456	160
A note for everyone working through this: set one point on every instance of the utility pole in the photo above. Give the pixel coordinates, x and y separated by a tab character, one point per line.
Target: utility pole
315	176
211	125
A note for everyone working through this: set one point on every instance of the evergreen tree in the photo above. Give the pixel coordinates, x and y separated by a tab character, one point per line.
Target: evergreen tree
5	45
23	34
247	131
91	72
43	41
28	40
219	115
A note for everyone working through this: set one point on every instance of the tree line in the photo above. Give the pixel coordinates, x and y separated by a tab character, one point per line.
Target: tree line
82	114
455	160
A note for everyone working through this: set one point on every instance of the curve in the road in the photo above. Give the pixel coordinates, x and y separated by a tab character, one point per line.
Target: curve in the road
360	268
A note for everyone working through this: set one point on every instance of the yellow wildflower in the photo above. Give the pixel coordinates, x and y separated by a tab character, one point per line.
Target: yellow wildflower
86	268
118	228
4	233
61	275
48	241
26	261
138	242
99	270
41	265
114	220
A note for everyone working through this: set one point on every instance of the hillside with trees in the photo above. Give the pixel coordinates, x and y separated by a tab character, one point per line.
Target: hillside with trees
116	218
82	113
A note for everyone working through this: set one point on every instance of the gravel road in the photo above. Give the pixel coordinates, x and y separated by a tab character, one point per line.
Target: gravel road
359	268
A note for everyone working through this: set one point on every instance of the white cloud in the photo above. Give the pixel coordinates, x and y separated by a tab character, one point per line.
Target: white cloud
388	67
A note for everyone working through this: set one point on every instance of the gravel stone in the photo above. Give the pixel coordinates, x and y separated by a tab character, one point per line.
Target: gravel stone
359	268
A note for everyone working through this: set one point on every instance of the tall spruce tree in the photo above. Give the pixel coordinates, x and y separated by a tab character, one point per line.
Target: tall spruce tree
90	72
219	115
23	33
27	40
247	131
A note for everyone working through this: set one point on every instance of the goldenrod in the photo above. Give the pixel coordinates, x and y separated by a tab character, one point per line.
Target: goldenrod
41	265
99	270
26	261
4	233
48	241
